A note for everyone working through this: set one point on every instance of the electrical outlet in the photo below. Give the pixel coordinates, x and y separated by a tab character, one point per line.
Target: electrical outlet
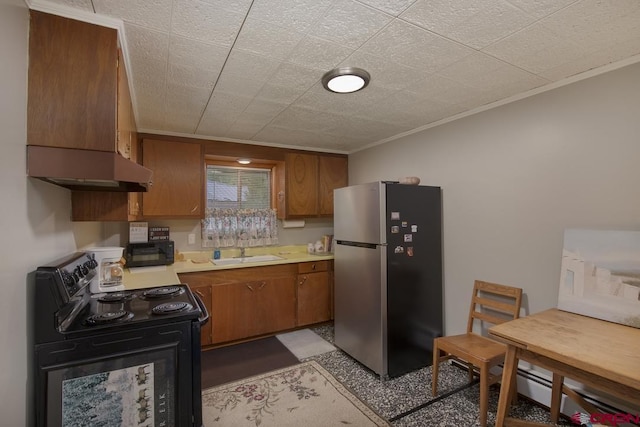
192	239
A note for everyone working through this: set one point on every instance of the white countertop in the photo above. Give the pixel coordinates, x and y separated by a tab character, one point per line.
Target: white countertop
146	277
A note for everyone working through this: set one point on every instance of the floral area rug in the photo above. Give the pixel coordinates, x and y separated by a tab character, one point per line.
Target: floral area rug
301	395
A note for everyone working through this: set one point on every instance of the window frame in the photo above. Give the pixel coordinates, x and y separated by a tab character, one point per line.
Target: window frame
272	166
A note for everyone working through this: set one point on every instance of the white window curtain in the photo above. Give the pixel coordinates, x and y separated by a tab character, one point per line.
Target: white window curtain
222	228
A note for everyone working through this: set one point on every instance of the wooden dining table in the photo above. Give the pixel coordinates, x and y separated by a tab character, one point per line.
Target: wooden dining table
599	354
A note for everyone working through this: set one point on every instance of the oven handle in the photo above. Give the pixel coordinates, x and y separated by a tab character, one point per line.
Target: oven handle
204	318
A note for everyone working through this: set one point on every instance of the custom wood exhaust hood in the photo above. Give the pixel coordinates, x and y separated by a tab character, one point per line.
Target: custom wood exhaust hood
85	170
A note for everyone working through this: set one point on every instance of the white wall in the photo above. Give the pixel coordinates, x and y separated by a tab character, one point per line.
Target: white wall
513	178
34	217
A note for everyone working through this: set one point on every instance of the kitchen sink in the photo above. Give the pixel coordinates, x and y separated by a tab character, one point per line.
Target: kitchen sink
246	259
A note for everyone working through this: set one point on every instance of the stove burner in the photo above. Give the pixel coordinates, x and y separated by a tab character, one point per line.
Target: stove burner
111	316
171	307
164	292
114	297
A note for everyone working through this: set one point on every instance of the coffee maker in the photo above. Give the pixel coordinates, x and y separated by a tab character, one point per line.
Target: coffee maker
110	269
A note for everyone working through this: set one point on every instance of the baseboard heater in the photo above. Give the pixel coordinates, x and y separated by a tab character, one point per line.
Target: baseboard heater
537	387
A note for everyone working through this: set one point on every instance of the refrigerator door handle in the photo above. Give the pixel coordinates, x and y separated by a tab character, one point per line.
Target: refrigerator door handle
360	244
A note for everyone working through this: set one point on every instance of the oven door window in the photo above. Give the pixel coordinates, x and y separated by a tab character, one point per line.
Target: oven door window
134	389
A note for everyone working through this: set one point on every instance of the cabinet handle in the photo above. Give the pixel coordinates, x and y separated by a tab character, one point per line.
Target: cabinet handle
199	294
313	266
194	208
262	285
250	288
304	279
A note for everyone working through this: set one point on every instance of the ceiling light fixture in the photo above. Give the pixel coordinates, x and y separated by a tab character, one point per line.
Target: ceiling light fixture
244	161
345	80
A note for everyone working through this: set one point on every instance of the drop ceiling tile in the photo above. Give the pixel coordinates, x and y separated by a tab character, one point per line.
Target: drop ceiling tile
597	24
237	6
191	77
203	21
296	14
279	94
349	23
186	98
393	7
264	111
475	24
250	66
415	47
214	126
384	73
295	76
486	73
180	121
536	49
196	54
238	85
221	112
295	117
267	39
313	52
77	4
541	8
593	59
155	14
243	130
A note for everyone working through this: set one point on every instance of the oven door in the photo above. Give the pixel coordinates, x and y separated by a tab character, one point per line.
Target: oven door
142	377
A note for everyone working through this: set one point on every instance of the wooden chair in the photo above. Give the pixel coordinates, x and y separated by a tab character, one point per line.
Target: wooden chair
491	304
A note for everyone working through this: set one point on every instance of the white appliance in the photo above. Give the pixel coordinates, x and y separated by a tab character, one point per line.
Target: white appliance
110	270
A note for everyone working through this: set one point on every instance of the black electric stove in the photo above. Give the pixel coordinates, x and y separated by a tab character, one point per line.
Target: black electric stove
103	344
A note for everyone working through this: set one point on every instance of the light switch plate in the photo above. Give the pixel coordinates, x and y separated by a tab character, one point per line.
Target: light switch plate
192	239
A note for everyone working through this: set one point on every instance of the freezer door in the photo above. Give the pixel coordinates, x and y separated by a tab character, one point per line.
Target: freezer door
360	295
358	213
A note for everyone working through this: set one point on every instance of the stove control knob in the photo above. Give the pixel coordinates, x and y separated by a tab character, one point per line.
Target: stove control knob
92	263
78	271
68	279
84	269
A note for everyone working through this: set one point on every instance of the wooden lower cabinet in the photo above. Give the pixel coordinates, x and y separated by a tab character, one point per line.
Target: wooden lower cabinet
248	302
314	293
248	309
206	332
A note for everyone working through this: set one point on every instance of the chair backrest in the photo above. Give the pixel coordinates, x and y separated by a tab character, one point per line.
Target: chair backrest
493	304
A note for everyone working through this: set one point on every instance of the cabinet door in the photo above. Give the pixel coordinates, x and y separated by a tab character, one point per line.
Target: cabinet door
72	83
314	298
206	333
248	309
301	181
332	174
177	179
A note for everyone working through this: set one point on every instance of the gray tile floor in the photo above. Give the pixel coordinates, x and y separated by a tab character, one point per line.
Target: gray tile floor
396	399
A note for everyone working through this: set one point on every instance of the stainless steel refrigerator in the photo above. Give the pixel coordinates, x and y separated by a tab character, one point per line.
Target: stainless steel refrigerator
388	274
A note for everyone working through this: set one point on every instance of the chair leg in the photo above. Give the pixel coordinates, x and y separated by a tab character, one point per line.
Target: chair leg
434	369
470	371
484	395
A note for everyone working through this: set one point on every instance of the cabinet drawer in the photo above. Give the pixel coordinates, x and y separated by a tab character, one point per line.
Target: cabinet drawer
312	267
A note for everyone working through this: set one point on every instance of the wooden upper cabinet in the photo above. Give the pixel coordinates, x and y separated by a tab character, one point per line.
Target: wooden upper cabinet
332	174
126	123
301	181
309	183
72	84
178	179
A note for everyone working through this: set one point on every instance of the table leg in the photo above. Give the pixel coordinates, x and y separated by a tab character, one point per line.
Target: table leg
556	397
508	376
